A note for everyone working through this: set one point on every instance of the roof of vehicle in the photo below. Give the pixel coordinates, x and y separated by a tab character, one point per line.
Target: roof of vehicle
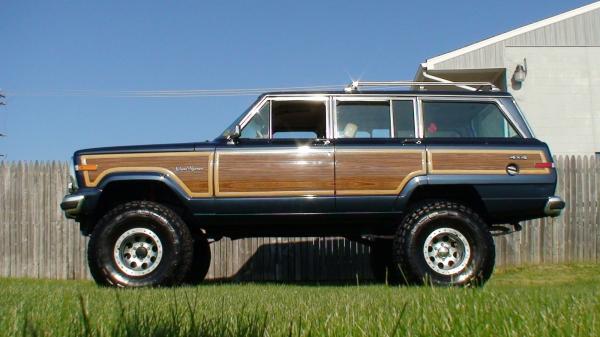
392	93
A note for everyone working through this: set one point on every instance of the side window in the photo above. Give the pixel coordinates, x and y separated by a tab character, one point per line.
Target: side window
363	120
465	119
299	120
258	126
404	119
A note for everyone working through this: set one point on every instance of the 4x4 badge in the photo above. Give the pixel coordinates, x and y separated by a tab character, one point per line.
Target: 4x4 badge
518	157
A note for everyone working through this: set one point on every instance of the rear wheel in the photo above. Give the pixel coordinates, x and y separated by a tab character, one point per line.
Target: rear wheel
140	243
445	243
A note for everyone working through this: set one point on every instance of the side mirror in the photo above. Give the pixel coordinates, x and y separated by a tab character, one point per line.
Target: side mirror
235	135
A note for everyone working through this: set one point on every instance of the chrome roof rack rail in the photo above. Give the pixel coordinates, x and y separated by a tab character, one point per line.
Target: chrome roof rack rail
469	86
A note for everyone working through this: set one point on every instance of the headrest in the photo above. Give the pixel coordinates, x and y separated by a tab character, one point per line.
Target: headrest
350	130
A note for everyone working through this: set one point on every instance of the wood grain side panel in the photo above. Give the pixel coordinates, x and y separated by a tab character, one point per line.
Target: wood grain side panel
196	180
274	174
364	172
484	162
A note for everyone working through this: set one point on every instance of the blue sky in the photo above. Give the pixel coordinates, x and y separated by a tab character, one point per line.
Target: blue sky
48	48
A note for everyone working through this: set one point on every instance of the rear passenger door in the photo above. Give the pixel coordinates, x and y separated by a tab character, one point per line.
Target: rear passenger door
376	151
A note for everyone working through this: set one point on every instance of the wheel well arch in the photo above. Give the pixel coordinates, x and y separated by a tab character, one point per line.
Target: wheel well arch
461	193
117	191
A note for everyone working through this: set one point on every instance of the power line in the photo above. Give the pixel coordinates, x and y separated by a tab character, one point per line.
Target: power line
170	93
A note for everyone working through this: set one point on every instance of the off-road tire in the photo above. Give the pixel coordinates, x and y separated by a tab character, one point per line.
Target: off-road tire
419	224
174	236
201	261
382	262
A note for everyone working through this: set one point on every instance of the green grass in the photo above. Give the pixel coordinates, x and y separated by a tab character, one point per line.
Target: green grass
561	300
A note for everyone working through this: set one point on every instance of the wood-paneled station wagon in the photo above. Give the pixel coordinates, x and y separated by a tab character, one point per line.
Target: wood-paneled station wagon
425	177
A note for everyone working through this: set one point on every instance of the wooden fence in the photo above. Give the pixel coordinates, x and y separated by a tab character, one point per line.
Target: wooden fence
37	241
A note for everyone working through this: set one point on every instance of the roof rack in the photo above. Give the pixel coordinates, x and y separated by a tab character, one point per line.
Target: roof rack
470	86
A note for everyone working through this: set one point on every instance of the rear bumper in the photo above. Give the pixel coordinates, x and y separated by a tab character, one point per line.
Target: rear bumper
554	206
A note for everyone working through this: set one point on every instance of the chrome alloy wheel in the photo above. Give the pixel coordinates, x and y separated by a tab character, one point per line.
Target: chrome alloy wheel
446	251
138	251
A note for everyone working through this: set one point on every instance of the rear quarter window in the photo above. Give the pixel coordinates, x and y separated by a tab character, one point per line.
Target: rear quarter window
452	119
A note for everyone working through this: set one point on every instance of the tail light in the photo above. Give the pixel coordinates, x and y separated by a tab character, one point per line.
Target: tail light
545	165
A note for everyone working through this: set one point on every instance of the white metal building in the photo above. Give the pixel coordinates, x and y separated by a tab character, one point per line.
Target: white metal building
552	68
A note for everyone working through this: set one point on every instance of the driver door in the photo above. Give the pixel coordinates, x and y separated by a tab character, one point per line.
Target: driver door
282	162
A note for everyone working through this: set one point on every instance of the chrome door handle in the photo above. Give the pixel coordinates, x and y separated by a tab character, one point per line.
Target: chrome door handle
322	142
412	141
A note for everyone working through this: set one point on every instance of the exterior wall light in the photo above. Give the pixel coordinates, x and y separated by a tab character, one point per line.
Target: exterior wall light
520	72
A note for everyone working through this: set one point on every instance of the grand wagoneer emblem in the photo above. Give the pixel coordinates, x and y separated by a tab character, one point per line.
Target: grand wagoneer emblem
518	157
188	169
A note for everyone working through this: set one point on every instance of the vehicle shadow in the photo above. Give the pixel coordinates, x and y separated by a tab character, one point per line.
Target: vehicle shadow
312	261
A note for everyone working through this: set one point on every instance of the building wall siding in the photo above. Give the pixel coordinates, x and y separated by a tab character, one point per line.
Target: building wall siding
582	30
560	96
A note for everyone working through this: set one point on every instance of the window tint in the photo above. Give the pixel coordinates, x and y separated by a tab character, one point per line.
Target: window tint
363	120
404	119
465	119
258	126
299	119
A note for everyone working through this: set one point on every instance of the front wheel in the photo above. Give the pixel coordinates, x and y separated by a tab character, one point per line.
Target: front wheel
444	243
140	243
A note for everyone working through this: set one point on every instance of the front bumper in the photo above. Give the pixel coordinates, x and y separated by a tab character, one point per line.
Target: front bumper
72	205
554	206
80	203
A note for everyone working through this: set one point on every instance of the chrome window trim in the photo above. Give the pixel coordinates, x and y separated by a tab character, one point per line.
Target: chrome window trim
415	115
356	99
511	120
330	118
253	111
418	121
360	98
392	126
269	99
420	132
496	101
270	119
343	96
521	115
314	98
330	101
